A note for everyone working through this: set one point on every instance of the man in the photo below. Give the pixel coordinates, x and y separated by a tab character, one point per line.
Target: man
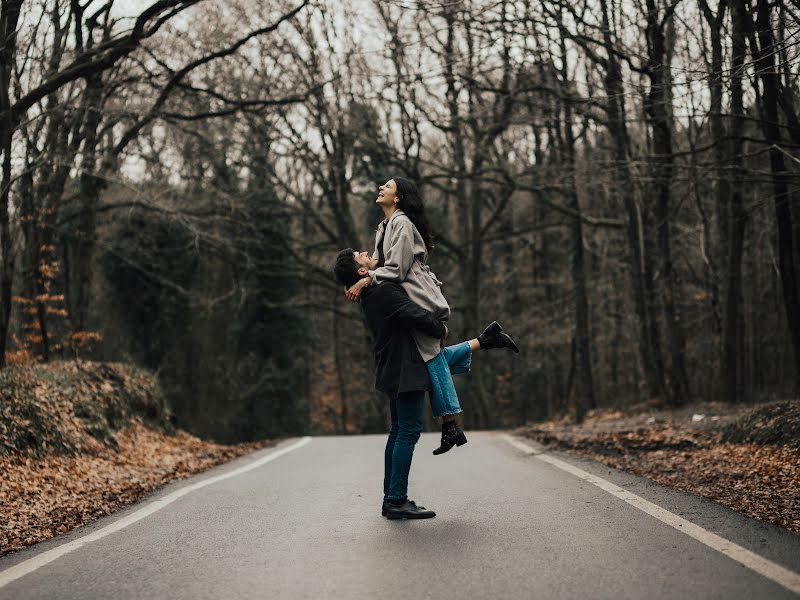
400	374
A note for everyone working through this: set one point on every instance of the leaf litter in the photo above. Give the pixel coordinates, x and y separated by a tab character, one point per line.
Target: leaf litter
743	457
79	441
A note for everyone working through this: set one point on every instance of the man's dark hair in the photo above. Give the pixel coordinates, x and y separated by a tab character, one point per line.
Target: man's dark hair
346	269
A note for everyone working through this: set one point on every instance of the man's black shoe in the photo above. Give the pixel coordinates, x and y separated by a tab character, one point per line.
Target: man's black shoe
386	504
494	337
408	510
451	436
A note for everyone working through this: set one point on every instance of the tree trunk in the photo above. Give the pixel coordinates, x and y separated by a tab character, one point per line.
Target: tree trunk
635	230
472	323
717	253
91	186
9	15
7	269
584	393
658	105
783	198
737	217
342	367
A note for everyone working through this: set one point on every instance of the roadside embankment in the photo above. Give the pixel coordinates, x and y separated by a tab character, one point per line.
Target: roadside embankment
79	440
744	457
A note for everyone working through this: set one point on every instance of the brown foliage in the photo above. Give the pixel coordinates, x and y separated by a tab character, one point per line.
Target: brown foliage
44	497
685	450
81	440
73	407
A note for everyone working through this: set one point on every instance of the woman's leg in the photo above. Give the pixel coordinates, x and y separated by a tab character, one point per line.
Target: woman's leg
459	356
458	359
389	451
408	409
444	399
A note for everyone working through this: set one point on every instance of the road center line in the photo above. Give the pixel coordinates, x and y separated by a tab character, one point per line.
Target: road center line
772	571
35	562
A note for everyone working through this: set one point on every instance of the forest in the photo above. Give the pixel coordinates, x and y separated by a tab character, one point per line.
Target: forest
615	182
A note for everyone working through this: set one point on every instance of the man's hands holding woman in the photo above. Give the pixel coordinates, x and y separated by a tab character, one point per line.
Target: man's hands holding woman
354	292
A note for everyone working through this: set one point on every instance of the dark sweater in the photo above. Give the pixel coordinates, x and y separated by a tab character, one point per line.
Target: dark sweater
391	316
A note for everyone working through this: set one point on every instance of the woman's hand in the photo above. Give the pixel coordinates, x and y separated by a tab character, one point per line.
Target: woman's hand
355	290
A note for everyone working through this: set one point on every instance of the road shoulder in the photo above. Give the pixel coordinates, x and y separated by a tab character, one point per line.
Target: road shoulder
770	541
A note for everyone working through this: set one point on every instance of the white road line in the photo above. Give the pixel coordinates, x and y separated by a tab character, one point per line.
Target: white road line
30	565
772	571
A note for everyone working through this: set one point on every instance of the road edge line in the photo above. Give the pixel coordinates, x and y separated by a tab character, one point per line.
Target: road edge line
35	562
763	566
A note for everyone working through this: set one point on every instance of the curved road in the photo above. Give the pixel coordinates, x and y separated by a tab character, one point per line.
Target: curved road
307	524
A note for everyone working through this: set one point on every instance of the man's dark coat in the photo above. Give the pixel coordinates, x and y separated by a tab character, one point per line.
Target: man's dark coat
391	316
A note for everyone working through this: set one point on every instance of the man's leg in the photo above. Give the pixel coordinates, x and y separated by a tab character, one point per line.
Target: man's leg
389	451
409	420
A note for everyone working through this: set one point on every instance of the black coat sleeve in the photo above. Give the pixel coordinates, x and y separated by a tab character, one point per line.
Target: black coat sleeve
401	310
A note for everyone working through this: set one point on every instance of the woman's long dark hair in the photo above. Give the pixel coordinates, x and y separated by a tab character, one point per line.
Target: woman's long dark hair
410	202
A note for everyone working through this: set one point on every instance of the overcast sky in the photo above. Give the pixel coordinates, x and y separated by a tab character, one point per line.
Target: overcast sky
129	8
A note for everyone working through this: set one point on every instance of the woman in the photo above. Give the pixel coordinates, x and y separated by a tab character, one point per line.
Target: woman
402	243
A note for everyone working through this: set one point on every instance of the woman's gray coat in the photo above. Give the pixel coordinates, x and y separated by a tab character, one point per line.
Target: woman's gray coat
405	259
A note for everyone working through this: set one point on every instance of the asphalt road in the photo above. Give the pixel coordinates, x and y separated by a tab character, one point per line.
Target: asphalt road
308	525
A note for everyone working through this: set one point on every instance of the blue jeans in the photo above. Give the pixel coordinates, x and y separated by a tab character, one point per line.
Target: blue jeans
452	360
406	412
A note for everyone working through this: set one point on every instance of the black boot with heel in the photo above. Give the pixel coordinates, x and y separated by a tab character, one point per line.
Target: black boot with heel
494	337
452	435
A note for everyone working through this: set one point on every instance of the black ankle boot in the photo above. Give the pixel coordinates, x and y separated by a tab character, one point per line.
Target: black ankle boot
494	337
451	436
